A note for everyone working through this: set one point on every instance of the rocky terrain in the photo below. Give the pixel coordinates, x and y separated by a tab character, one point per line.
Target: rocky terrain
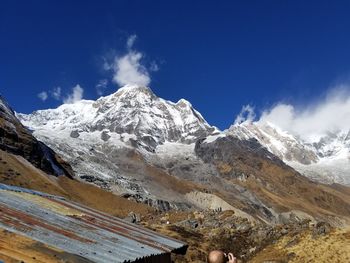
325	159
29	163
165	154
280	189
295	241
16	139
216	191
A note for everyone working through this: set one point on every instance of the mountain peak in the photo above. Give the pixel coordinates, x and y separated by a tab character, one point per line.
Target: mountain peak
133	110
184	103
131	88
326	160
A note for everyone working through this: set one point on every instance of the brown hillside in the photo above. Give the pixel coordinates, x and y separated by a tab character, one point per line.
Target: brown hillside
246	164
15	170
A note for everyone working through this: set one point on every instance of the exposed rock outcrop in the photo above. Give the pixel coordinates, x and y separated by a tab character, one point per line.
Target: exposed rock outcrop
16	139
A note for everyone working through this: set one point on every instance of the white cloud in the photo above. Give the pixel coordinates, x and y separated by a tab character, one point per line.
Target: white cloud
43	95
101	86
76	95
247	114
56	93
313	121
129	68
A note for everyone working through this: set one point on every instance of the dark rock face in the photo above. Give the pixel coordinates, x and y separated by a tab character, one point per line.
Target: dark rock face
105	136
16	139
321	229
230	152
74	134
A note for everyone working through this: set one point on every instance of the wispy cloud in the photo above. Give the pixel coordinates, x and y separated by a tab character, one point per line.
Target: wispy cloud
76	95
310	122
130	68
101	86
247	114
56	93
43	95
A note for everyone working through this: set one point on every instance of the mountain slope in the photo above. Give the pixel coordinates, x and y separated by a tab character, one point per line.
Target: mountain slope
166	155
277	185
28	163
16	139
109	140
326	160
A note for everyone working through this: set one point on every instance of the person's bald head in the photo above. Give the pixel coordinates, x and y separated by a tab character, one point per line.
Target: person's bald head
217	256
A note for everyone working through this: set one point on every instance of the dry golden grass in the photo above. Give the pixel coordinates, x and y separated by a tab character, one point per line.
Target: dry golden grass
15	170
102	200
333	247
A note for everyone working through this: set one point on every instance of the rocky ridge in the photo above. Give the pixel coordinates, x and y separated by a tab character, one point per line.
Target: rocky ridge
16	139
158	152
136	114
325	160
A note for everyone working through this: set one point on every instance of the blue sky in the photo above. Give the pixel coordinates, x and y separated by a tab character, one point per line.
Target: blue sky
219	55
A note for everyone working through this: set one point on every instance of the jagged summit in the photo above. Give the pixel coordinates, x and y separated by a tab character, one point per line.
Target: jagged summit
133	110
134	88
281	143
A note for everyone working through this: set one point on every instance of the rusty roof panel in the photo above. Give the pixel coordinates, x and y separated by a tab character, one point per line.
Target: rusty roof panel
78	229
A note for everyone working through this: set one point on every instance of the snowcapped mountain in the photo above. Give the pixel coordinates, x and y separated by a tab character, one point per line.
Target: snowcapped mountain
134	117
133	112
327	160
107	141
163	153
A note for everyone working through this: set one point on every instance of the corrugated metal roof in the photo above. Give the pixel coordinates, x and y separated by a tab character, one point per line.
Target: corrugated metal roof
77	229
